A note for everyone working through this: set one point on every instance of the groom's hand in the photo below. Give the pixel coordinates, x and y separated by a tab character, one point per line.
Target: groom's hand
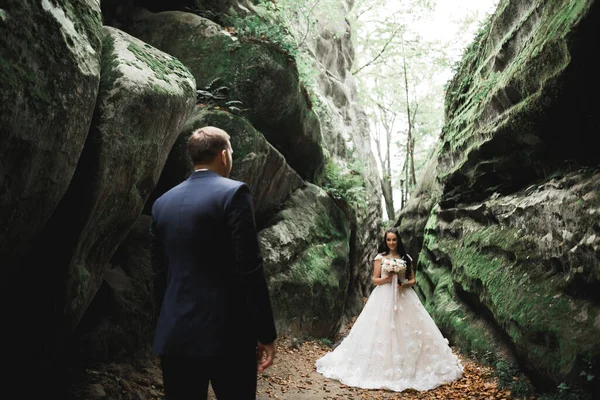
266	351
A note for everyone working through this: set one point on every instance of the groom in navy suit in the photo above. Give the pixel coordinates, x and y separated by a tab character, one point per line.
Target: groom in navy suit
216	323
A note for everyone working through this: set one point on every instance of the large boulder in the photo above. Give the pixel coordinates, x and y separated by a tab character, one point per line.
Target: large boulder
144	98
509	261
255	162
256	73
121	320
506	108
306	252
124	155
529	263
415	214
50	68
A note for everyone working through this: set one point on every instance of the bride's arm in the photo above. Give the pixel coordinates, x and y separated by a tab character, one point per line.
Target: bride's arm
412	281
377	279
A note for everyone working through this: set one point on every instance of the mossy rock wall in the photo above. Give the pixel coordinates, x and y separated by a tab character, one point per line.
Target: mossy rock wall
306	256
256	73
48	90
121	319
325	34
515	110
144	99
255	161
529	263
415	214
123	156
508	259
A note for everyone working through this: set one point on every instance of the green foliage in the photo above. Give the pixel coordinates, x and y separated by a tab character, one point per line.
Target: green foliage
314	266
257	26
215	95
510	377
357	164
464	70
346	185
588	372
271	23
469	57
488	357
565	392
162	67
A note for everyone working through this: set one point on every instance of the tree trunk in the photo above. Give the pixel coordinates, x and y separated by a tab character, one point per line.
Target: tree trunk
412	160
386	189
402	198
411	179
387	118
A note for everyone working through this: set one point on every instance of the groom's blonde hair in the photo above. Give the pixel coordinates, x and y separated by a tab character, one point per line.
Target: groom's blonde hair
205	143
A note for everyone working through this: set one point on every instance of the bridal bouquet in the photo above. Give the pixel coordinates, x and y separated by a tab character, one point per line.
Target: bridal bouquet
394	265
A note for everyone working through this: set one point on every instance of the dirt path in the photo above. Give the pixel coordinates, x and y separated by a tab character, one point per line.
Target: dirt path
292	377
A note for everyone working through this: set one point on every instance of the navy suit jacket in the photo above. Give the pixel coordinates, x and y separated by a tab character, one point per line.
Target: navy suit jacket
208	271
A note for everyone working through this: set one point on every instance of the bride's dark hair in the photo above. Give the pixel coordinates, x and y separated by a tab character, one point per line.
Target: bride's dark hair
384	250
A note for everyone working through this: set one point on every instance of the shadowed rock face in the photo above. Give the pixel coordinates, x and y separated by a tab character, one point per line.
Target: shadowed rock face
415	214
305	252
345	131
143	100
121	319
47	97
123	157
255	162
50	67
506	218
518	109
257	74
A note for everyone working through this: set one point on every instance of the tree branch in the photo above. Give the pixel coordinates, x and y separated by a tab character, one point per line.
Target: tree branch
307	24
364	11
380	53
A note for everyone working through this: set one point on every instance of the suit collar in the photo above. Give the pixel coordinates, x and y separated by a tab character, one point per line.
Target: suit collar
203	174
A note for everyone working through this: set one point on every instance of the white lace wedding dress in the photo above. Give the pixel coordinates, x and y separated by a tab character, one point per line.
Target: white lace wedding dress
394	344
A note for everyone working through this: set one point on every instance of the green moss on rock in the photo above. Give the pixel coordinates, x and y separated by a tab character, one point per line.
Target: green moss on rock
258	74
472	267
109	63
501	95
307	254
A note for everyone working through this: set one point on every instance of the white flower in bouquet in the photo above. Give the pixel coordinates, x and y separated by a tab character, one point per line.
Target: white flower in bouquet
394	265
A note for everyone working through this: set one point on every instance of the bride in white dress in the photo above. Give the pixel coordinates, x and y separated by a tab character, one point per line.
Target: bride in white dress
394	344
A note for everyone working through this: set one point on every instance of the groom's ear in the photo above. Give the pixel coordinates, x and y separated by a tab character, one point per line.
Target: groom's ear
224	157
